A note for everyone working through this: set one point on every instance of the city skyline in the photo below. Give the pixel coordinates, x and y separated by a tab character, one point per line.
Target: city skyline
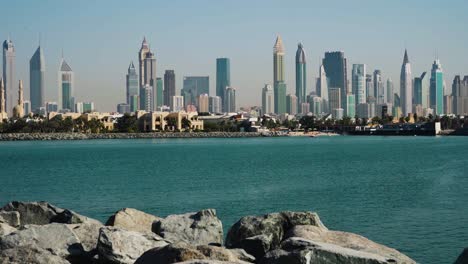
199	59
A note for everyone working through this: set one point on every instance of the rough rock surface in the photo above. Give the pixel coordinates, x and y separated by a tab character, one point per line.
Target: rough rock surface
29	255
88	234
58	239
201	228
180	252
6	229
11	218
116	245
346	240
463	258
42	213
132	220
258	234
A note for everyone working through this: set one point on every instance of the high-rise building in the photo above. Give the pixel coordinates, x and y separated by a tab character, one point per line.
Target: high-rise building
268	99
141	60
9	73
370	88
437	88
379	88
291	104
177	103
223	77
322	89
203	103
27	107
79	107
230	100
304	108
406	86
418	89
159	94
351	105
193	87
36	79
335	98
301	75
448	107
460	95
390	91
131	83
66	83
123	108
169	86
279	86
146	96
88	107
215	104
3	113
316	107
359	83
335	65
51	107
134	103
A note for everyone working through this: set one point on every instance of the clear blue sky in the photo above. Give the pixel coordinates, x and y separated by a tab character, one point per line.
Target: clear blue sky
100	38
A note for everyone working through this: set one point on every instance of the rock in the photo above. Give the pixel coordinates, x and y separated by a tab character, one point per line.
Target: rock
132	220
179	252
11	218
346	240
30	255
303	251
201	228
42	213
88	234
258	234
6	229
206	261
58	239
116	245
463	258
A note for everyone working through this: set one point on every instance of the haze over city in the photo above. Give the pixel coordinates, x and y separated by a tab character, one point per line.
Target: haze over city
99	39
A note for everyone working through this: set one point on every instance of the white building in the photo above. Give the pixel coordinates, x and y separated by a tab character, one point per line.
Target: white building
268	99
177	103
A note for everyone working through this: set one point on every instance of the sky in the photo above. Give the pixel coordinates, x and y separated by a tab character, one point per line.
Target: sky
99	39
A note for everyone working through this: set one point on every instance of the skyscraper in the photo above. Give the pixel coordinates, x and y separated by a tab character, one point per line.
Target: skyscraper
359	83
169	86
150	76
437	88
203	103
268	99
371	96
3	114
193	87
66	78
322	89
132	83
159	94
390	91
335	65
9	73
291	104
351	105
335	98
146	95
406	86
177	103
279	86
215	104
141	59
460	95
418	89
223	77
36	79
301	75
230	100
379	88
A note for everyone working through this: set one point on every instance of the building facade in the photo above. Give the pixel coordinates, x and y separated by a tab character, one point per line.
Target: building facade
36	79
359	83
268	99
66	86
301	75
169	86
9	73
436	93
223	77
379	87
204	103
230	100
406	86
215	104
351	105
131	83
322	89
177	103
193	87
335	65
279	85
291	104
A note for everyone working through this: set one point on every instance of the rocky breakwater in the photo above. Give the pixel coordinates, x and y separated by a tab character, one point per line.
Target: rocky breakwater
84	136
38	232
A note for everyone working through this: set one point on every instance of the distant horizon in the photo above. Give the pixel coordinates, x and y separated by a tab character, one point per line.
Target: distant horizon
100	55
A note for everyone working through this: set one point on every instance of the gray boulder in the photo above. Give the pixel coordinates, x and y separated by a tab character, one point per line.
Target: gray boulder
116	245
58	239
88	234
6	229
201	228
346	240
179	252
132	220
42	213
259	234
463	258
29	255
11	218
303	251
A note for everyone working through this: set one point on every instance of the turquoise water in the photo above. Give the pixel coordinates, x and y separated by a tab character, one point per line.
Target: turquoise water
410	193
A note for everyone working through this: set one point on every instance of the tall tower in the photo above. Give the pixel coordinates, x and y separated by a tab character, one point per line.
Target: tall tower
9	72
359	83
268	99
18	110
36	79
3	114
379	88
278	76
223	77
66	78
322	90
132	87
301	80
141	60
169	86
436	101
149	80
335	65
406	86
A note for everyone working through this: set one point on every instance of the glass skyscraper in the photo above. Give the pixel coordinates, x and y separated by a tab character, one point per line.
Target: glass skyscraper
406	86
193	87
335	65
159	94
66	86
9	73
169	87
36	79
132	83
279	86
223	77
437	88
301	75
359	83
418	89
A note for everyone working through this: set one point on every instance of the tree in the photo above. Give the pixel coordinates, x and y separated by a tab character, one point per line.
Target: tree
127	124
307	122
186	123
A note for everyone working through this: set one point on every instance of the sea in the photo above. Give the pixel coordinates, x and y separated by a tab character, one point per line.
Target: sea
409	193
